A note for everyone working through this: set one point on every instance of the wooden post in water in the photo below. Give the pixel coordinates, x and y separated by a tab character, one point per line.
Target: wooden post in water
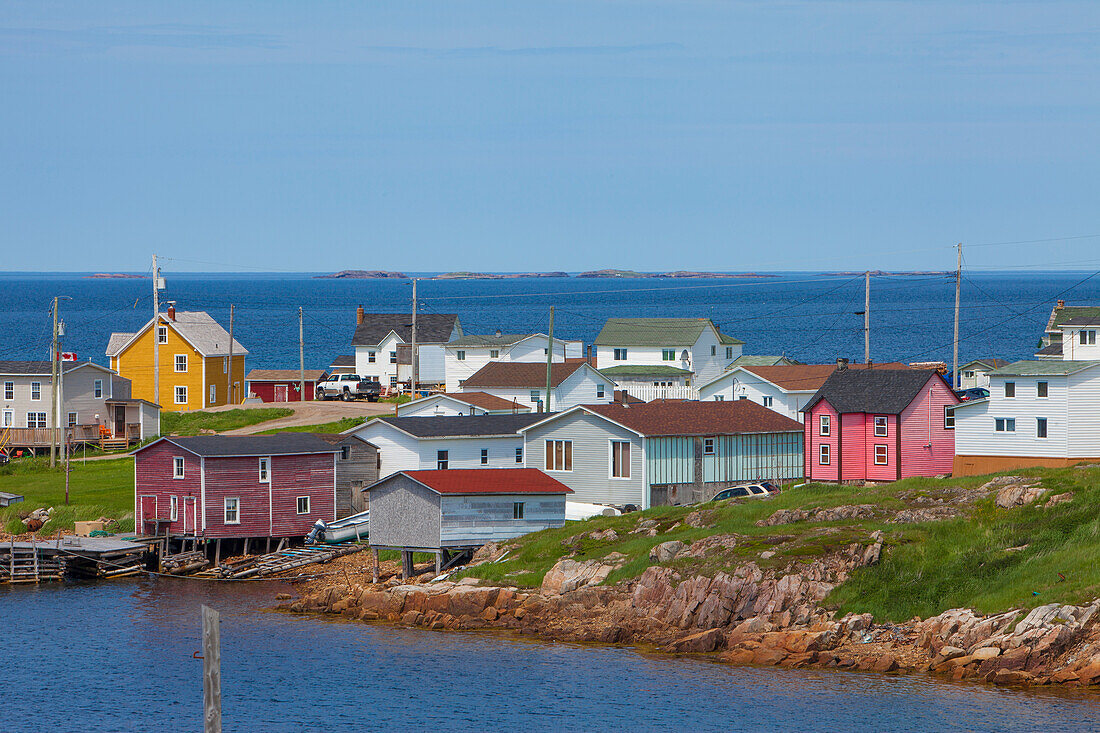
211	671
374	565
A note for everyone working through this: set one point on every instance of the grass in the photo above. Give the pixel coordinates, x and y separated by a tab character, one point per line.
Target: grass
190	423
96	489
339	426
397	399
925	568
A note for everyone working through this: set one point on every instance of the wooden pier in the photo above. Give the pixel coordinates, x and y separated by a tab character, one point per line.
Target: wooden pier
38	561
261	566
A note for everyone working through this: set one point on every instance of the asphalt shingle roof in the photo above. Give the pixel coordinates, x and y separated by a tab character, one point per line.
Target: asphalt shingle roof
668	332
1054	349
521	374
881	391
690	417
656	370
431	328
24	367
1044	367
504	339
450	426
251	445
759	360
1059	316
197	327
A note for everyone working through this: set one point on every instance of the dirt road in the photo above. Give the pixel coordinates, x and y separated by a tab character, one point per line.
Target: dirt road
310	413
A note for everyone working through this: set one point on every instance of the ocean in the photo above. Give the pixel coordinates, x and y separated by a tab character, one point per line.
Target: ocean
809	317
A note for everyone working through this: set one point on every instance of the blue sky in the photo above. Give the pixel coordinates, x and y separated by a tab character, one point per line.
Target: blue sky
513	136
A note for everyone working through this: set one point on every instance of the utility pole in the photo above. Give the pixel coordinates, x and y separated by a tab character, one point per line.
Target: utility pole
156	331
413	361
229	397
54	391
958	284
301	359
549	357
867	317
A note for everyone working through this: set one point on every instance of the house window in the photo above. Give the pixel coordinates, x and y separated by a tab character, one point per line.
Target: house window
535	395
1088	338
181	362
768	401
519	455
213	393
719	398
1041	389
1040	427
823	425
393	357
546	351
485	456
265	470
36	419
232	506
620	459
97	388
461	355
371	357
9	390
880	426
823	454
181	395
948	417
173	508
1004	425
708	446
162	334
225	365
517	510
441	460
620	354
393	380
1010	389
8	419
880	455
177	467
303	504
599	391
714	349
668	354
559	455
742	397
345	452
729	352
71	419
36	390
494	353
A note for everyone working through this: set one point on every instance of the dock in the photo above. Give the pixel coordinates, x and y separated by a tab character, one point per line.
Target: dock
38	561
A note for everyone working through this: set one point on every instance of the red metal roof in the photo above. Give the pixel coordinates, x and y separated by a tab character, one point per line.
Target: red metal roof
489	481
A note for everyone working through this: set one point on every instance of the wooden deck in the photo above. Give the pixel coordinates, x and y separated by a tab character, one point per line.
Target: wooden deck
35	438
87	557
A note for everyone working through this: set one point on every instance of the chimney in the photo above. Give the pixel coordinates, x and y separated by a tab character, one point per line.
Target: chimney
841	364
498	333
1061	305
171	310
359	315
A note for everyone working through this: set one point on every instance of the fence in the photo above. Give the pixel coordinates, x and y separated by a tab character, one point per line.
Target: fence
649	392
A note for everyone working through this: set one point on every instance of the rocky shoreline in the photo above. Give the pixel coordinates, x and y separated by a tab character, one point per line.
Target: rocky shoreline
748	616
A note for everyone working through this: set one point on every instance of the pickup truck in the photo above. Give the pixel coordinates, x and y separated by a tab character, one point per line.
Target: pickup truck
348	387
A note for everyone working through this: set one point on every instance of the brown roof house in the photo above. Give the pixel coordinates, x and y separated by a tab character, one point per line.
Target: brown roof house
573	382
665	451
461	403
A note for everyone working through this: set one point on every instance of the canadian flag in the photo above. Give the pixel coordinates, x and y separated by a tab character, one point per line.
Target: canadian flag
67	356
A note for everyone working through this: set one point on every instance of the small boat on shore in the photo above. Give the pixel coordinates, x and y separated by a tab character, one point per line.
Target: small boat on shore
355	527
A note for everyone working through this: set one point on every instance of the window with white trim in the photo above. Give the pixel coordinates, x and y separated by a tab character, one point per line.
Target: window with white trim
178	467
823	454
880	426
1087	338
485	456
265	470
181	362
668	354
1041	389
1040	427
460	355
948	417
881	456
1010	389
494	353
232	510
620	459
768	401
9	390
181	395
8	419
71	420
36	390
225	365
1004	425
213	393
519	455
173	508
36	419
303	504
393	380
599	391
517	510
708	446
535	395
97	388
559	455
371	356
442	460
823	424
393	357
719	398
162	334
620	354
729	352
714	349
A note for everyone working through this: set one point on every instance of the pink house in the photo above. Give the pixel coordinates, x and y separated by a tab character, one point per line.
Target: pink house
879	425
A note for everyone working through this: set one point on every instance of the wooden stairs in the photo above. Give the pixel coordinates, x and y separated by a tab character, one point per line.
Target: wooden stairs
26	565
107	444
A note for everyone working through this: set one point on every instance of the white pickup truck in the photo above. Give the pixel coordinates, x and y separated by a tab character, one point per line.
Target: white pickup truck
348	387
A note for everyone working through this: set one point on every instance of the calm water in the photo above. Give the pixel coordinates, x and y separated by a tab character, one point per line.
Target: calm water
117	657
810	318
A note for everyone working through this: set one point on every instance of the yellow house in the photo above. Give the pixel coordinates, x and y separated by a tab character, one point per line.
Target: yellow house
193	353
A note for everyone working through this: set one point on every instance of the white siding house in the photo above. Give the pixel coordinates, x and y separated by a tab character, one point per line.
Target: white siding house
692	345
464	356
976	373
382	345
572	383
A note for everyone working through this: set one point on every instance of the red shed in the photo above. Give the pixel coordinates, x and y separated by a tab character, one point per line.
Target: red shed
282	385
220	486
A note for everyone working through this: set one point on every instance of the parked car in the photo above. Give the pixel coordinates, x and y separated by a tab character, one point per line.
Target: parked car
348	387
974	393
760	490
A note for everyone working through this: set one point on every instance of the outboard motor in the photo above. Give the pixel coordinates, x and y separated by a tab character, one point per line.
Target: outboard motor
317	534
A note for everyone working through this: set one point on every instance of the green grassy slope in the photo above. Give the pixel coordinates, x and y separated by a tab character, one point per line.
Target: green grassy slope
190	423
96	489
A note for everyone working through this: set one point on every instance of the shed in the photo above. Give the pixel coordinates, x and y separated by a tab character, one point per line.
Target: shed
283	385
458	510
356	467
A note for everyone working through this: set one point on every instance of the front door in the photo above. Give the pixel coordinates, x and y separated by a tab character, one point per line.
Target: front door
8	420
190	514
120	421
280	393
148	509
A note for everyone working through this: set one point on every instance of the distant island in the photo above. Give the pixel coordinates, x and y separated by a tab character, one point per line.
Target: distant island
363	275
115	276
681	274
878	273
495	275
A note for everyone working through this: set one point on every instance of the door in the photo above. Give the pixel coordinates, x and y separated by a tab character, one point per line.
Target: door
8	420
280	393
120	421
148	514
190	515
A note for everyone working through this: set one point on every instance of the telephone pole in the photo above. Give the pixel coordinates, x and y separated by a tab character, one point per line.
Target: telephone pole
54	391
156	331
867	317
549	357
958	285
301	359
229	380
413	361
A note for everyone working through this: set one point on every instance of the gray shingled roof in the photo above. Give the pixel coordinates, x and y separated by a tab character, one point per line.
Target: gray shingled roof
759	360
453	426
1054	349
197	327
431	328
117	341
666	332
880	391
1050	367
504	339
1059	316
24	367
279	444
1082	320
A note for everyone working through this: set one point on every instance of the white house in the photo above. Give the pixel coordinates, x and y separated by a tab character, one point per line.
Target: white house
1038	413
459	441
464	356
571	383
681	351
383	349
461	403
1064	316
975	373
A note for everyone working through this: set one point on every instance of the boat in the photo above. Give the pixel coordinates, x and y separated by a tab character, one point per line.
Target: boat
576	510
355	527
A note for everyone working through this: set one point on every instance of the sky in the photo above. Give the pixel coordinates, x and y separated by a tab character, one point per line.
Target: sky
516	136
